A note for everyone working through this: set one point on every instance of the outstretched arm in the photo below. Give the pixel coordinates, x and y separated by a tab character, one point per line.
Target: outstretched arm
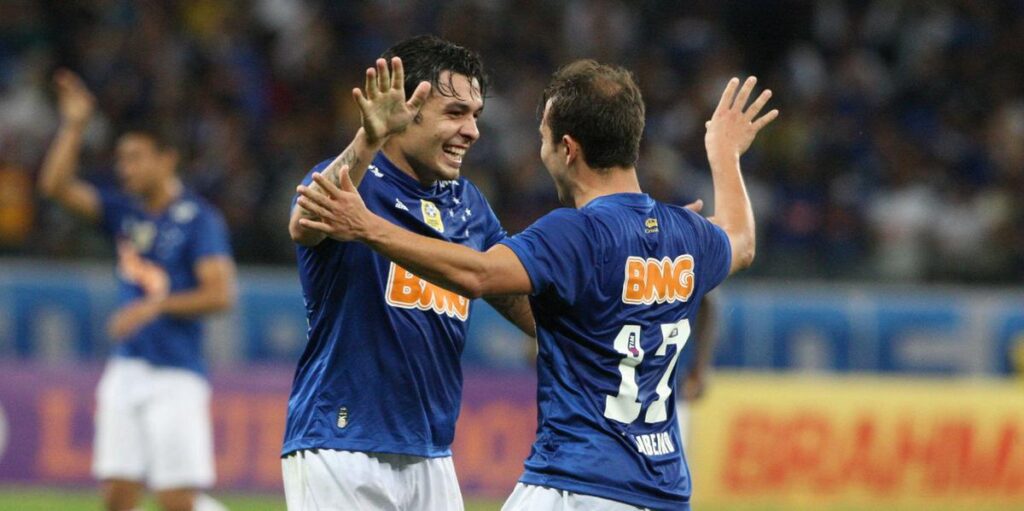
731	130
343	216
357	155
516	309
58	179
384	112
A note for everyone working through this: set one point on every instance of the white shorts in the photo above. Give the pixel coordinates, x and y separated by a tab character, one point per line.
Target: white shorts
326	479
529	497
153	425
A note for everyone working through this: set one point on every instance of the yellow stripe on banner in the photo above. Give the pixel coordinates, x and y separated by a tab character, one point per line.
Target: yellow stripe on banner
831	442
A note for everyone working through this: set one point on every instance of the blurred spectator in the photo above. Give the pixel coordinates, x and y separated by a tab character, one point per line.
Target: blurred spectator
899	153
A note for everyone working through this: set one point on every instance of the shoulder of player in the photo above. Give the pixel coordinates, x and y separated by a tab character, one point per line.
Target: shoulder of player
192	206
467	191
563	219
682	212
465	186
115	194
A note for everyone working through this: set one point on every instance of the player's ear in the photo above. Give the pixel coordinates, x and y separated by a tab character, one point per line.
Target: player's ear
571	149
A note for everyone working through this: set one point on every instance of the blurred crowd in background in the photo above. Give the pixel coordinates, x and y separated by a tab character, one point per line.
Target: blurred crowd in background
898	155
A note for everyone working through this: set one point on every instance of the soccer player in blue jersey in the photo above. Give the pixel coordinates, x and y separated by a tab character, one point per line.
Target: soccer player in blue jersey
613	281
153	423
377	391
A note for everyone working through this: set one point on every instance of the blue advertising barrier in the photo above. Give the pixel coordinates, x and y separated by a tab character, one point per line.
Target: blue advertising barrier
58	311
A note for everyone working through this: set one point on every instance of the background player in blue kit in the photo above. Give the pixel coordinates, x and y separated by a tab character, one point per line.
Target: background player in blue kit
174	267
698	363
375	397
613	284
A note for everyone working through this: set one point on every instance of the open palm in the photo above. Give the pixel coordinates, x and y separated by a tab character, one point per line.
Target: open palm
75	100
384	108
734	125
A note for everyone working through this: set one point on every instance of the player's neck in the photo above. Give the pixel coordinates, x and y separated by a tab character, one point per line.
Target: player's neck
398	159
591	184
163	195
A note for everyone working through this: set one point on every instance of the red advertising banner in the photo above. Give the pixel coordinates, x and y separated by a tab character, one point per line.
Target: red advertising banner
46	427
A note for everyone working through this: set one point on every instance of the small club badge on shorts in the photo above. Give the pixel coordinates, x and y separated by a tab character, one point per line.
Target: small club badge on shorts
343	417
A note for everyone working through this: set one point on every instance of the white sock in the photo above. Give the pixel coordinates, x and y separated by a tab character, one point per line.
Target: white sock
204	502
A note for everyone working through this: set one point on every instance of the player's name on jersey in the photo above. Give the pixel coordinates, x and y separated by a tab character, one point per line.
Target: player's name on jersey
658	281
654	444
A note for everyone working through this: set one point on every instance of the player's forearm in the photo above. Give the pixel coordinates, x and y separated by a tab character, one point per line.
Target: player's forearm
733	211
357	156
61	162
198	302
454	267
516	309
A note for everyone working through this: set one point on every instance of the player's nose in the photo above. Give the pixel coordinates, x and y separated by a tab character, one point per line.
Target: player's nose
470	129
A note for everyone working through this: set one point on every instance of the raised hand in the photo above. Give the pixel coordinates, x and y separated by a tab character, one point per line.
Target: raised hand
75	101
340	211
733	126
383	106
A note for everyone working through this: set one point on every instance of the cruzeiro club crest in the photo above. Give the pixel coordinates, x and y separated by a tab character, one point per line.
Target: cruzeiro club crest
432	215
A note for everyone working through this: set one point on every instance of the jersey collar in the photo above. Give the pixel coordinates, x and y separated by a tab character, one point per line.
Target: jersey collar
407	182
641	200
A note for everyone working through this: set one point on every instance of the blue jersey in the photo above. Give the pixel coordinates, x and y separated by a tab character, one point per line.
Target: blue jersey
162	250
615	284
381	370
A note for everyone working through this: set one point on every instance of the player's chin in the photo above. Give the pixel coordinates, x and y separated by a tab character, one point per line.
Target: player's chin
448	168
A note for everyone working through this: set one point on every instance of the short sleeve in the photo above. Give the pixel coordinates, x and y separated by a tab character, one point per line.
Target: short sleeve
114	206
492	226
557	253
211	235
716	253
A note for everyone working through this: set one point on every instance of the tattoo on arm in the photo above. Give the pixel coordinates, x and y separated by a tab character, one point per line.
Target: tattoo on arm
516	309
348	157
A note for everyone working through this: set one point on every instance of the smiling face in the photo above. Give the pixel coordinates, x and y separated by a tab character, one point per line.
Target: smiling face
434	145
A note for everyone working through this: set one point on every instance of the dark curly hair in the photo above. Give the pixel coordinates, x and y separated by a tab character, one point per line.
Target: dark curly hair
424	57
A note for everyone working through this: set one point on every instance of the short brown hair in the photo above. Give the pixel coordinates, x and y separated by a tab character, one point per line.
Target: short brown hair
601	107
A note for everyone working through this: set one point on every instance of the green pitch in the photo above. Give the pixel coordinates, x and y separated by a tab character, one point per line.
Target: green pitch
36	499
44	499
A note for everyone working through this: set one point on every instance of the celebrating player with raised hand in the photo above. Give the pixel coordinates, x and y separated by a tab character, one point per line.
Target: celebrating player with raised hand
153	423
372	411
384	112
613	281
